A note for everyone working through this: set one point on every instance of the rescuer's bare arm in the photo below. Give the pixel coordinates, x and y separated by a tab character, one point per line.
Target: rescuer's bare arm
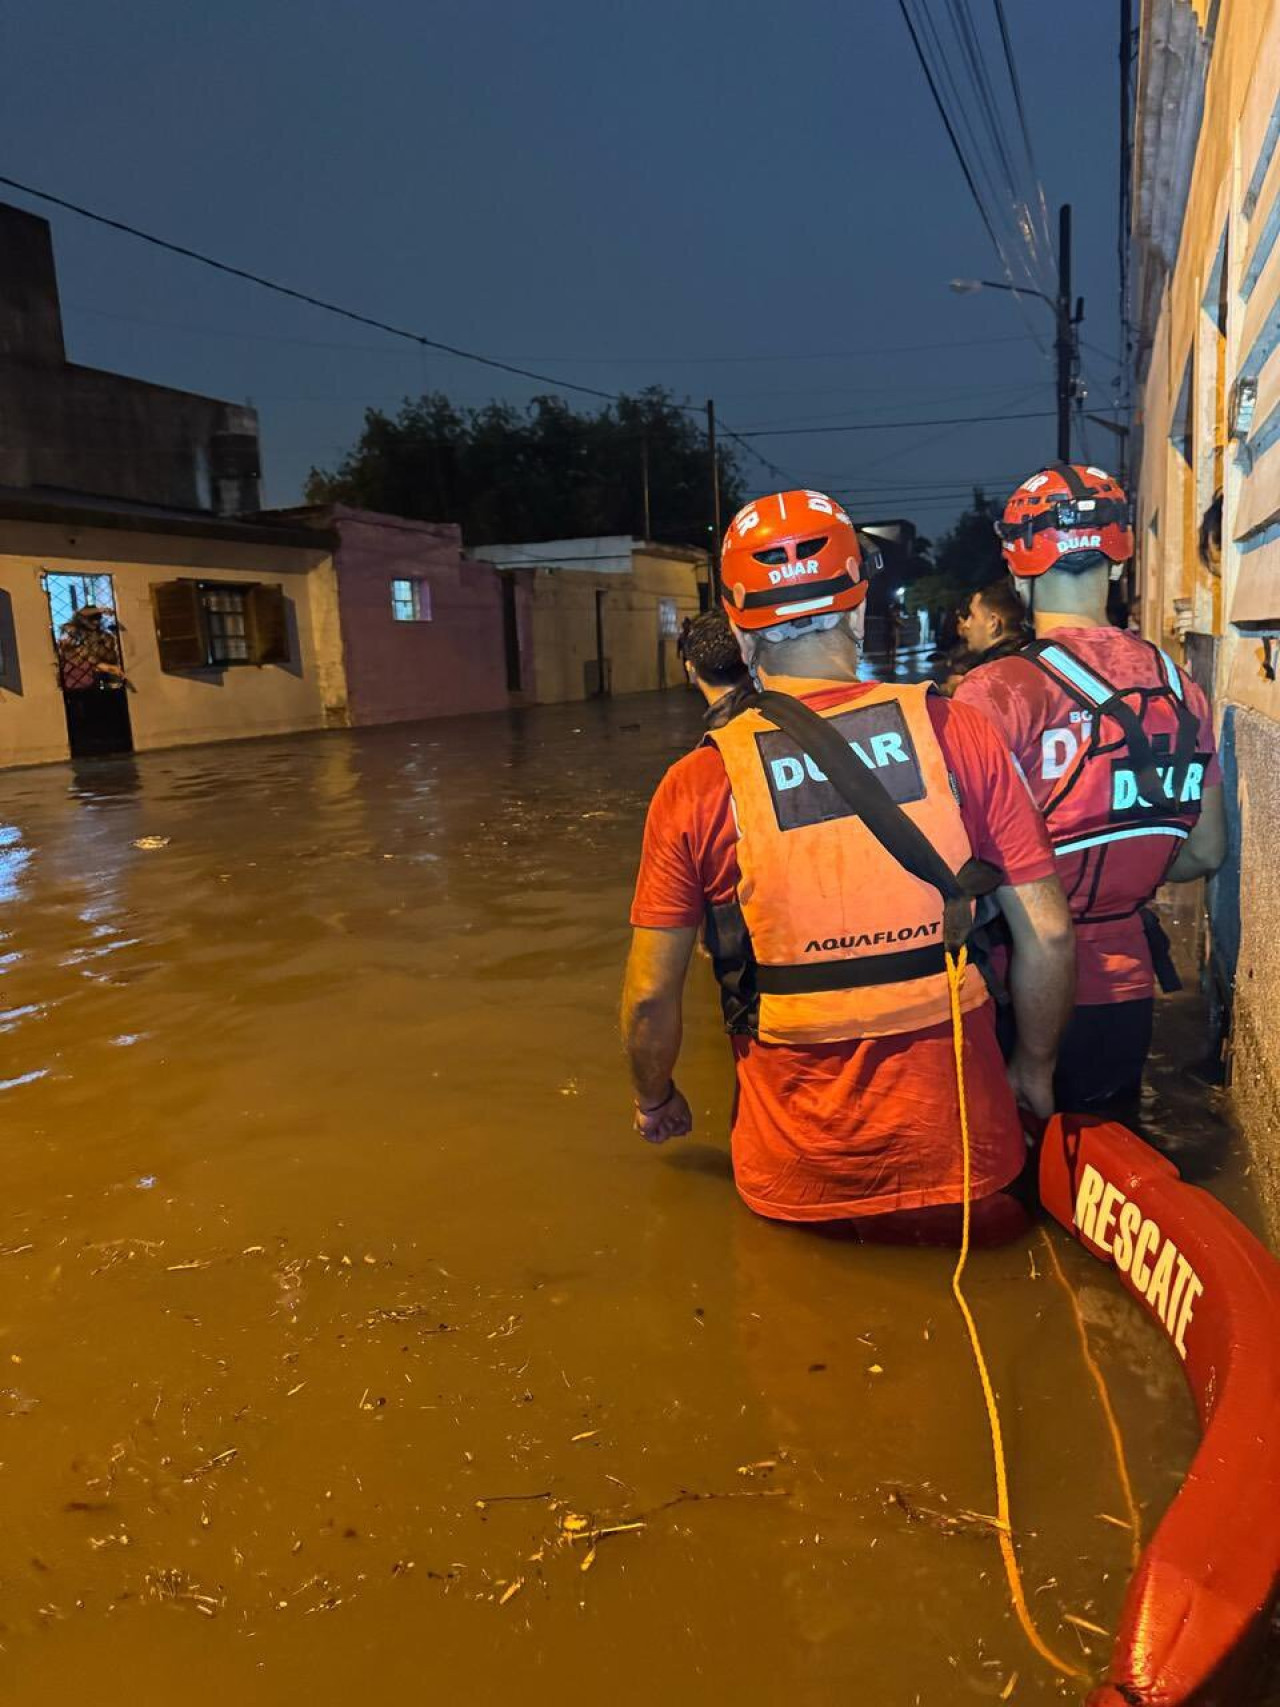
652	1027
1206	847
1042	984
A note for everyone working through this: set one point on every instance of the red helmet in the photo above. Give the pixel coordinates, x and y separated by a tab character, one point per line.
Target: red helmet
790	555
1063	512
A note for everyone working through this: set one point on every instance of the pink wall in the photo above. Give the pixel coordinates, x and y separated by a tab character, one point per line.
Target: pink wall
456	662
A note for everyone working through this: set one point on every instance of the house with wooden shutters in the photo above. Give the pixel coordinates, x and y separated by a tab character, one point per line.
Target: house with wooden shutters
125	627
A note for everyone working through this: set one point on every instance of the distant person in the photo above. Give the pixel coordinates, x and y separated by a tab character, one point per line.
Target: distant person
1117	746
892	633
682	639
829	953
948	627
714	666
89	652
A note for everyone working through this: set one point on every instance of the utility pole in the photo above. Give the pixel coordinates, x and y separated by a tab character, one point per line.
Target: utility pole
1066	338
644	480
715	501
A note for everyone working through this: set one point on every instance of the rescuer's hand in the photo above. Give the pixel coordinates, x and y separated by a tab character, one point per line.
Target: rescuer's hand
1032	1082
670	1119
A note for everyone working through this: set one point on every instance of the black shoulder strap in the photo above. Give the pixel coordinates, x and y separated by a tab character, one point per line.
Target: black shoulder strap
1141	753
864	793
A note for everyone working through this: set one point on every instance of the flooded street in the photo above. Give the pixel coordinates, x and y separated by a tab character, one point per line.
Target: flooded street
354	1347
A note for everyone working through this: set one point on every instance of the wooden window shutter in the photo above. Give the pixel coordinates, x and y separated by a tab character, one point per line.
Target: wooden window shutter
267	625
182	633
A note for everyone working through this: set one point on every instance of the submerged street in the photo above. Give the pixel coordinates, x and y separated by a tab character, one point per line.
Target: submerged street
351	1338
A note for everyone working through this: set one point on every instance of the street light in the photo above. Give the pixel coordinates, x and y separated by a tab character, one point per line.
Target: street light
1065	344
968	287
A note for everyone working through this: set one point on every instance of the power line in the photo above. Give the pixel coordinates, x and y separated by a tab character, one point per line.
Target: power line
419	338
1015	83
947	125
885	426
579	360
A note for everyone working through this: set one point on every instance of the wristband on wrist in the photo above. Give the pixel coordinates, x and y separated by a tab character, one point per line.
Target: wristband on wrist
671	1091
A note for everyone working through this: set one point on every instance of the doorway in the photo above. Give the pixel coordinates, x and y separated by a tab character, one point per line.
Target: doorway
90	664
511	633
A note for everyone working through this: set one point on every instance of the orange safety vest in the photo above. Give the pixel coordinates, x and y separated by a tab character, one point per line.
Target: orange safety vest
845	942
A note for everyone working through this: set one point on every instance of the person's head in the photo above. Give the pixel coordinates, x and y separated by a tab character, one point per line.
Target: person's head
89	616
1065	535
794	586
712	658
994	613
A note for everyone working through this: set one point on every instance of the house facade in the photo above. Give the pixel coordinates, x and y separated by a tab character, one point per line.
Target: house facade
122	629
426	630
1206	312
605	614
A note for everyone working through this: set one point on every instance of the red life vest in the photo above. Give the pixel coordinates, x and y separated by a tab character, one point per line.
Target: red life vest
1128	776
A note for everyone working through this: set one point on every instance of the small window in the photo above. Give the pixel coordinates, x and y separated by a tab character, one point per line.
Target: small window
411	601
668	617
228	632
216	623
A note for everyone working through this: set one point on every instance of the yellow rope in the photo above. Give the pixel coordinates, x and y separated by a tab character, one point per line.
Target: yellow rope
955	978
1108	1411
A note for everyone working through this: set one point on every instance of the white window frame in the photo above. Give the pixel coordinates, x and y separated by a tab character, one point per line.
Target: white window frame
413	606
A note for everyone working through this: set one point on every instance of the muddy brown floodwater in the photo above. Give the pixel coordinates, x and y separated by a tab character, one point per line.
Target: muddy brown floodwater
353	1348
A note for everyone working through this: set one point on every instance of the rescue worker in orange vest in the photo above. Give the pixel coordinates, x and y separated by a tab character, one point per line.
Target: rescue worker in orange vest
1117	745
829	952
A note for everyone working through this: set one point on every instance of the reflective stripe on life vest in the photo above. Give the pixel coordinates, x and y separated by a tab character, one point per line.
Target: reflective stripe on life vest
845	941
1104	836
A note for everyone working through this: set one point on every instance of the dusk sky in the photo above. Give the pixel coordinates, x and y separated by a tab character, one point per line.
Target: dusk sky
755	202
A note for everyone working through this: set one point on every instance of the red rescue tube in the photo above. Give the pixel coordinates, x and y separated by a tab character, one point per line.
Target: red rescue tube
1196	1611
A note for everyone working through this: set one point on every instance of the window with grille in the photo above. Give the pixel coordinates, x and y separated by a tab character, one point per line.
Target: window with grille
228	632
212	624
411	601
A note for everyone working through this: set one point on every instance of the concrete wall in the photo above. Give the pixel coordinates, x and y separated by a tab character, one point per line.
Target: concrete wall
166	709
1255	1076
1212	327
453	663
80	429
640	658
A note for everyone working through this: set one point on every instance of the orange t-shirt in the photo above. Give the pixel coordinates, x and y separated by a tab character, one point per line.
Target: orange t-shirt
825	1132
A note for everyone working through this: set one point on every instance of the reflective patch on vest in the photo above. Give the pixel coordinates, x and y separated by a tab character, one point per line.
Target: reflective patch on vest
801	793
1126	798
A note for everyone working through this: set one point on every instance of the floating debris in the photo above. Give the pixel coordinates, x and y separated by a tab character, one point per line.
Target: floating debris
408	1313
219	1461
150	843
1084	1624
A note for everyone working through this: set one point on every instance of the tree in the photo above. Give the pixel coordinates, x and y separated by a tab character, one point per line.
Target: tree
965	558
545	472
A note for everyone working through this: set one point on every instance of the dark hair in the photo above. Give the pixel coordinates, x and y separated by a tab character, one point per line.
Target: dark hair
1003	598
710	646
